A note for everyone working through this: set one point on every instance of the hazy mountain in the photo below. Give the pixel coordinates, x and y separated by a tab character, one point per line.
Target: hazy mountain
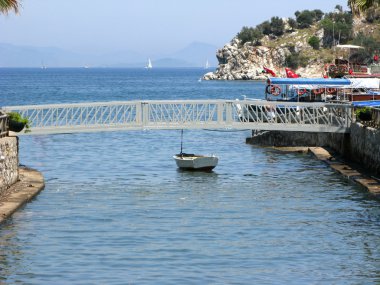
28	56
194	55
197	53
172	62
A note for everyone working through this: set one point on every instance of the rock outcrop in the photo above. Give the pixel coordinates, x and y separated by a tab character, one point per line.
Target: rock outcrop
246	62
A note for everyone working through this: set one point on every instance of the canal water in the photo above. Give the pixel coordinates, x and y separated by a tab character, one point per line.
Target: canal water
116	210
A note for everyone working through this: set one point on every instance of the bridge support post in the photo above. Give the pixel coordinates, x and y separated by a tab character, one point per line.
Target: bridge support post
144	113
220	109
228	113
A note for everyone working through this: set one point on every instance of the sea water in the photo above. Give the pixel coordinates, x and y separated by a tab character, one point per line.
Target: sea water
116	210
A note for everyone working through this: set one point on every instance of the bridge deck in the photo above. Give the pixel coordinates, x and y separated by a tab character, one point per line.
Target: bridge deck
186	114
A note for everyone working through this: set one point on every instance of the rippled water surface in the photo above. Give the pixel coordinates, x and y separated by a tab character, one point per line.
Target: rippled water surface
116	210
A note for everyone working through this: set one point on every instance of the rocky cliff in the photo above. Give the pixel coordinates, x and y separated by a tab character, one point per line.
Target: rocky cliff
246	62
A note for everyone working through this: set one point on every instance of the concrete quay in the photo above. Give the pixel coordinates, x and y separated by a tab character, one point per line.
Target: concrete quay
355	175
352	173
30	183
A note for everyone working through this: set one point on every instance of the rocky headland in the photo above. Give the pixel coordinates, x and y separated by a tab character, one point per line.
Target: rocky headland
246	62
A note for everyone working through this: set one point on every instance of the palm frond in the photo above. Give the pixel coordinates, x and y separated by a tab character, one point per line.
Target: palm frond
8	5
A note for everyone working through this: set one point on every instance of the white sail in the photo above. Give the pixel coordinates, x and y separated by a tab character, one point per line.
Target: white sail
149	65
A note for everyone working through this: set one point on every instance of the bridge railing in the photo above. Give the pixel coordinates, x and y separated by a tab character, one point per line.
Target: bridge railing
187	114
297	115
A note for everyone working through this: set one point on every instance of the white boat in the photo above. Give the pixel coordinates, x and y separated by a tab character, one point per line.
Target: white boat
188	161
149	65
207	65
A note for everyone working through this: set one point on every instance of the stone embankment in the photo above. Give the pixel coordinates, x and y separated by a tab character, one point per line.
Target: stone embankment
18	185
30	183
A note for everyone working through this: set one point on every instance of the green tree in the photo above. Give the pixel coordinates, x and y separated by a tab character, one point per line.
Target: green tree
337	28
292	24
369	43
277	26
318	15
249	34
8	5
305	19
339	8
265	28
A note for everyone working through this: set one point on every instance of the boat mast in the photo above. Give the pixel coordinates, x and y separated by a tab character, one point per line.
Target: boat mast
181	140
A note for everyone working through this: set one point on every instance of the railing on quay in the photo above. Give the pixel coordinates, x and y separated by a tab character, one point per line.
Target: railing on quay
4	121
187	114
376	117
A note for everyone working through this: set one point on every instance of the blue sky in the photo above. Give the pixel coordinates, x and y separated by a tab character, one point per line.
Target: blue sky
146	26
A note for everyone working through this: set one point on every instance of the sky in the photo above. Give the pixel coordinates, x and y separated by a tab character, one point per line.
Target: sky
145	26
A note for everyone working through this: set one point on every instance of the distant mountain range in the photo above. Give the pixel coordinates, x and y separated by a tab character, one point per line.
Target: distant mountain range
194	55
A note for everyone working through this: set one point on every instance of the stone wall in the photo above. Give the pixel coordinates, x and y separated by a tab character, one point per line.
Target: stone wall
8	162
362	145
365	146
338	142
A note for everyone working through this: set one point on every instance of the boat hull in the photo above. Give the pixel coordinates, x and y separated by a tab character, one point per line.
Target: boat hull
364	97
196	162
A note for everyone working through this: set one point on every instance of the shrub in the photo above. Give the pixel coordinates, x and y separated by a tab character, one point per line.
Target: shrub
14	116
364	114
314	42
296	60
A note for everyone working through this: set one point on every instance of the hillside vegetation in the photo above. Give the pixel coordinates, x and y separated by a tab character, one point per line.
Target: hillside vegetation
321	31
304	43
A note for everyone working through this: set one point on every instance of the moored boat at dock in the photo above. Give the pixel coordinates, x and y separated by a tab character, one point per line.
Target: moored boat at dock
343	90
311	90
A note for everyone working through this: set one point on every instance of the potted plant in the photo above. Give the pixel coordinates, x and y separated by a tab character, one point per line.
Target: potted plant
17	123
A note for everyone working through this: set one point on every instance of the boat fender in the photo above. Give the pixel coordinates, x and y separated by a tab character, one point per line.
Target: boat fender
331	90
273	89
301	91
318	91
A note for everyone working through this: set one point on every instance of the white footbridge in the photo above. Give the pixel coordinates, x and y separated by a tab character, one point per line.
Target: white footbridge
186	114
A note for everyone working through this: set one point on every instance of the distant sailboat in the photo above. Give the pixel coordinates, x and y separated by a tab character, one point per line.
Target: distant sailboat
149	65
207	65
